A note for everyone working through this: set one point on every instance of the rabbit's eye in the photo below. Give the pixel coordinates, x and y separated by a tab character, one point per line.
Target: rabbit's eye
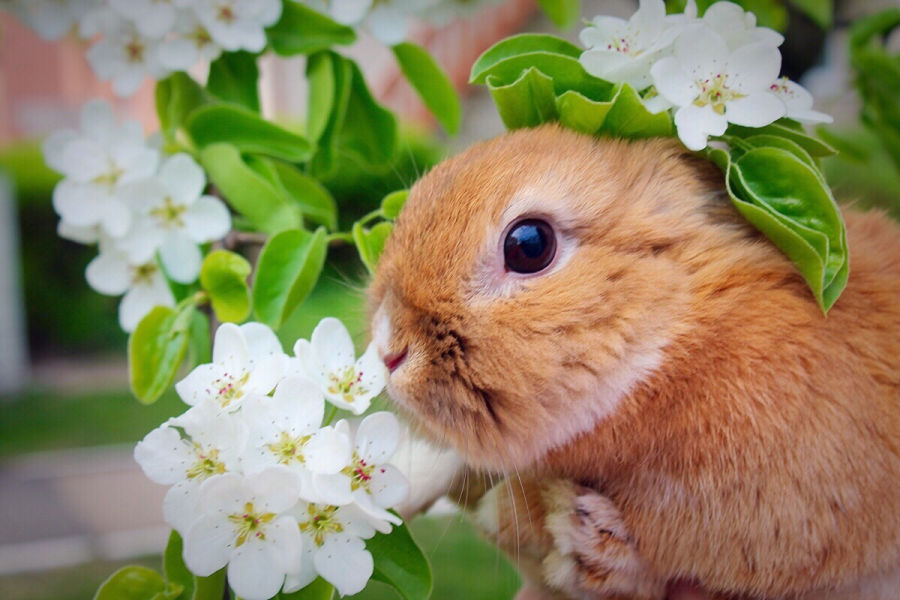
529	246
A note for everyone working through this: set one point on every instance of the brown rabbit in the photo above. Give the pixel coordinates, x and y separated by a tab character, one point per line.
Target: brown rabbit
593	318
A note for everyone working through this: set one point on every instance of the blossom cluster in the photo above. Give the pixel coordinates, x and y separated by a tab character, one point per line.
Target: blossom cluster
133	39
144	211
259	482
388	20
711	71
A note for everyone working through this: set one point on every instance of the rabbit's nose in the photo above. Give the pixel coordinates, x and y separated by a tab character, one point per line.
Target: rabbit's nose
392	360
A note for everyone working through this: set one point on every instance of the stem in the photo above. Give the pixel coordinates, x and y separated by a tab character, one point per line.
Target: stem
339	237
238	238
372	215
329	416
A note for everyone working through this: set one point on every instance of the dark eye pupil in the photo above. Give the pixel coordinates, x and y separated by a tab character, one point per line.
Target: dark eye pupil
529	246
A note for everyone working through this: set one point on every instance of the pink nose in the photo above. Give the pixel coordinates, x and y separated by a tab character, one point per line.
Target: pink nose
392	360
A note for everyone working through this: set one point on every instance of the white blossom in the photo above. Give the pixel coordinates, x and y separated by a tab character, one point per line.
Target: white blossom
329	359
211	446
238	24
284	429
247	360
189	43
152	18
738	27
143	285
712	86
386	20
174	218
798	102
96	163
333	547
376	484
623	51
244	526
126	57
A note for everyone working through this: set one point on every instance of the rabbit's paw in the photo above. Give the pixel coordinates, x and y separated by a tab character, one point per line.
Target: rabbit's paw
593	556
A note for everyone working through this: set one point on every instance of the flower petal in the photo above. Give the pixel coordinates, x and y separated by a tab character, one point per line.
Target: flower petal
207	219
109	274
327	451
181	505
753	68
253	570
181	258
275	488
377	437
141	299
183	178
755	110
266	374
305	572
230	349
300	405
163	456
332	346
696	123
208	545
672	82
344	562
388	486
199	384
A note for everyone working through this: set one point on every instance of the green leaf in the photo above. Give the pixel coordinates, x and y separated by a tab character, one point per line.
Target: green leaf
369	130
328	75
245	130
156	348
431	82
301	30
287	270
566	73
393	203
777	179
247	191
224	277
210	588
313	199
370	242
788	201
563	13
786	128
176	97
132	583
820	11
319	589
520	44
174	568
400	563
199	346
233	77
527	102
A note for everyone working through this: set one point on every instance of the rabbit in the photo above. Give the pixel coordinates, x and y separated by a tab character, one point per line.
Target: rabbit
592	319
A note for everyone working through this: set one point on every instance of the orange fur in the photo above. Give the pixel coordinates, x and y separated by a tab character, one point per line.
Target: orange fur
675	361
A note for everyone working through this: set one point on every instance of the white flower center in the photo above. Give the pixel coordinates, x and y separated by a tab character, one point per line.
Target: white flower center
225	13
230	388
200	36
623	45
360	473
250	523
143	274
321	522
716	93
207	465
134	50
289	449
346	383
169	214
